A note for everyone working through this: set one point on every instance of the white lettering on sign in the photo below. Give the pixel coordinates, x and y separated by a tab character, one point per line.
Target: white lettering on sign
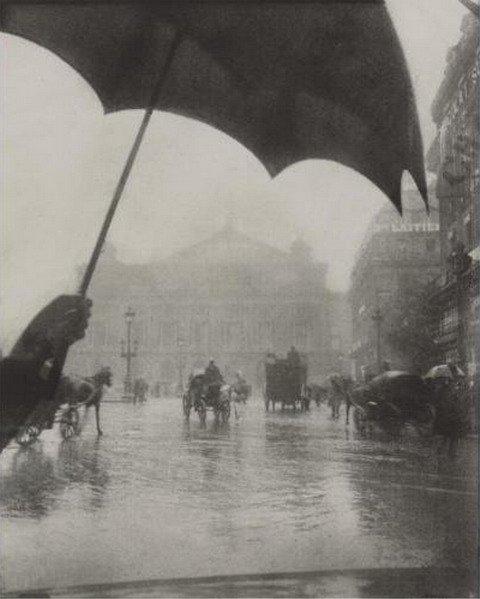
424	227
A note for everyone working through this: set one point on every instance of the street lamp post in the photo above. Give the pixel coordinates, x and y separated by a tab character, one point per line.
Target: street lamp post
181	364
460	263
127	352
377	318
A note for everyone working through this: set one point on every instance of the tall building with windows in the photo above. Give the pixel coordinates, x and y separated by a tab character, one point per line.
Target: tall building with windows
398	253
454	158
230	297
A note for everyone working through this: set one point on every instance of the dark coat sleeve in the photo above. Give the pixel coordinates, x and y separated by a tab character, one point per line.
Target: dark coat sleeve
21	390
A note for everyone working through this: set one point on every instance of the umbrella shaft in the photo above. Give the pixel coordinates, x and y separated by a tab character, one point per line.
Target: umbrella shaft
87	277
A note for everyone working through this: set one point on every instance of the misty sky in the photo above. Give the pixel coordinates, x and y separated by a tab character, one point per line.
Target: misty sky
61	157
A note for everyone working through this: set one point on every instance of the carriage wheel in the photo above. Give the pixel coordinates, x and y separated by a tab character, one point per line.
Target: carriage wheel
28	435
70	423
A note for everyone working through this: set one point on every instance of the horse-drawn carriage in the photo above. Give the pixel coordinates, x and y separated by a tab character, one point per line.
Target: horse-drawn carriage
71	395
203	396
286	384
391	401
44	417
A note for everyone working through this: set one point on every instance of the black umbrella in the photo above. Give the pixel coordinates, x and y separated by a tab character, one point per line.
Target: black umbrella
404	389
291	81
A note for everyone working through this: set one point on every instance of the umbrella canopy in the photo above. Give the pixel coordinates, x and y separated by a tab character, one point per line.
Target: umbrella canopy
444	371
404	390
291	81
396	379
389	375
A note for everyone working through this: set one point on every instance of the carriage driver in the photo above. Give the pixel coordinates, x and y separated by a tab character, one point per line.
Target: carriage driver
293	357
213	379
212	373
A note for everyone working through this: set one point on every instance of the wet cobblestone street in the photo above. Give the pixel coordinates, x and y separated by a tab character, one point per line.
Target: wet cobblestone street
156	497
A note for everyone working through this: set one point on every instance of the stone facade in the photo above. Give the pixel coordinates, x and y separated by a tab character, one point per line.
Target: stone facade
454	157
454	154
229	297
397	254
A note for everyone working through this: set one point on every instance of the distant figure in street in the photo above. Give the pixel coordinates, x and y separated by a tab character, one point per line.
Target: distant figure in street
451	411
336	397
293	357
240	380
241	387
140	388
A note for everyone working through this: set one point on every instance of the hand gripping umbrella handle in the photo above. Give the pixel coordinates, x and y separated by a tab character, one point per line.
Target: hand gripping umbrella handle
61	354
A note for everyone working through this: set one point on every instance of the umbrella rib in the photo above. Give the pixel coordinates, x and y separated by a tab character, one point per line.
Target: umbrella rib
87	277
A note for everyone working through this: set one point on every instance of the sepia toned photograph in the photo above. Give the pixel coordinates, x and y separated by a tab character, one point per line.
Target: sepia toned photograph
239	298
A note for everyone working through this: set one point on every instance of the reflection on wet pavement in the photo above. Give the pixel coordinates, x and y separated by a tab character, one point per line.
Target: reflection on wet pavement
158	497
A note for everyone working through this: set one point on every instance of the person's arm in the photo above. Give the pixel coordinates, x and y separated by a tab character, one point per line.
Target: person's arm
23	376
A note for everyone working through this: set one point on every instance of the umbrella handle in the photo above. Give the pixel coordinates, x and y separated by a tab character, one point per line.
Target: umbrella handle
87	277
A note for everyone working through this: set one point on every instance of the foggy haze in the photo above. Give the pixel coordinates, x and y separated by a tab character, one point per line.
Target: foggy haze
61	158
